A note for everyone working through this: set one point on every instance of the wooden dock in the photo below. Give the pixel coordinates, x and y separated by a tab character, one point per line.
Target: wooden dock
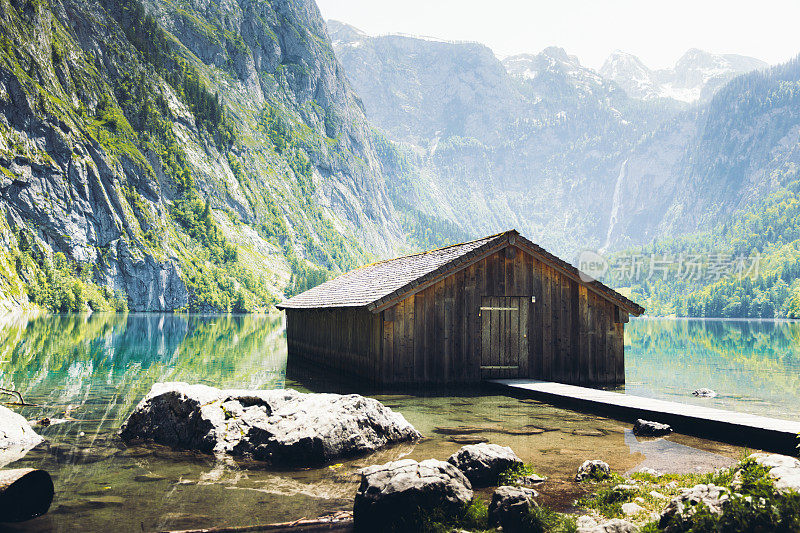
744	429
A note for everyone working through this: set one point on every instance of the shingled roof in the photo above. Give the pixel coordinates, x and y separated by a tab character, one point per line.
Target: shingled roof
373	286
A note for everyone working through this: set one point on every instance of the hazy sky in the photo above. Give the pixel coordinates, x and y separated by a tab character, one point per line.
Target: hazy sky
656	31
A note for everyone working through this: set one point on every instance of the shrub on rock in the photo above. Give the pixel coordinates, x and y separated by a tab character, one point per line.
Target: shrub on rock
593	470
483	463
681	510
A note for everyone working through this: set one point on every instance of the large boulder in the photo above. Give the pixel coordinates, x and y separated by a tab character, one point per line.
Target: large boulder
593	470
685	505
25	493
16	436
646	428
784	470
483	463
393	493
510	506
282	427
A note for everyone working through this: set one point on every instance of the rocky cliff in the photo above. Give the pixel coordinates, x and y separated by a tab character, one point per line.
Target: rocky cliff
169	155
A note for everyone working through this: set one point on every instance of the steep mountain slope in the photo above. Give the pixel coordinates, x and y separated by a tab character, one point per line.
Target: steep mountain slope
181	155
535	142
696	76
570	158
695	171
416	90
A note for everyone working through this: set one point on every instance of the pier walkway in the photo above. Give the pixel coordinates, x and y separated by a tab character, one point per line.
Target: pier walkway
744	429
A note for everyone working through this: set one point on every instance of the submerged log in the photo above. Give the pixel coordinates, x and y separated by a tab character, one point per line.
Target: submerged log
341	522
25	493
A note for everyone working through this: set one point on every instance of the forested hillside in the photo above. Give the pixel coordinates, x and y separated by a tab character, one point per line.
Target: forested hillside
747	267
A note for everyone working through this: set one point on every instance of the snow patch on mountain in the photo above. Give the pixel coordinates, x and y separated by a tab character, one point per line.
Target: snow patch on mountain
696	76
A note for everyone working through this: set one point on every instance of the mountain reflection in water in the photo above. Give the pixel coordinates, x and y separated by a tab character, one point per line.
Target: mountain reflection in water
87	374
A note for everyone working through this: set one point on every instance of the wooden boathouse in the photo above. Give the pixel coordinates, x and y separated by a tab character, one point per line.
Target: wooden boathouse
497	307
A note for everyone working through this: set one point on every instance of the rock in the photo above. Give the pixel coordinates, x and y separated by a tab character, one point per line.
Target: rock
783	469
466	439
616	525
585	522
282	427
685	505
631	508
459	430
17	436
705	393
595	470
533	479
657	495
483	463
25	493
392	492
510	506
645	428
589	433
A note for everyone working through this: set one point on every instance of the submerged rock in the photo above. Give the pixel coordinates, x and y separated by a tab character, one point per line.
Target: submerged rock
282	427
483	463
394	492
705	393
596	470
510	506
646	428
682	507
17	436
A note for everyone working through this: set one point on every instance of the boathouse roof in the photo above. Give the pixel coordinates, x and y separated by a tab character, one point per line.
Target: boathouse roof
380	285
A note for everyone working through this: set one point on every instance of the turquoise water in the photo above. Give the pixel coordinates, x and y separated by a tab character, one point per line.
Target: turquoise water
754	365
87	373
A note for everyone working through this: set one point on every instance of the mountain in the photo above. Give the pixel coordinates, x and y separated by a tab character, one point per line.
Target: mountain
534	142
696	76
554	60
695	171
418	89
173	155
572	158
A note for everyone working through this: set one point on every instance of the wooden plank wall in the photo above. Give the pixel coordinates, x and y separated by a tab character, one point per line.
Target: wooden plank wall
435	335
346	340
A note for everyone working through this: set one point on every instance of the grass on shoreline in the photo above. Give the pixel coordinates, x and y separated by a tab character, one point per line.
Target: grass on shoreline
755	505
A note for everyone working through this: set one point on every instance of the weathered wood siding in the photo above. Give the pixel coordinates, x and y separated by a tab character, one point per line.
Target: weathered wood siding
567	333
437	336
346	340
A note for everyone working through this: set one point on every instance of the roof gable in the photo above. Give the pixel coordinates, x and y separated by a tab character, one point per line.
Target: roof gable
371	283
380	285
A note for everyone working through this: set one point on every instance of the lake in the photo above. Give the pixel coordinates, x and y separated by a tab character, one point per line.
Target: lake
87	374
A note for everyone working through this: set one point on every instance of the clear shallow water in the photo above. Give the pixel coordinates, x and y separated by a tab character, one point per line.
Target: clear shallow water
89	372
754	365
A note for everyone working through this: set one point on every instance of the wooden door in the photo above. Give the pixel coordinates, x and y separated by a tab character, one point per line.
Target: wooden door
504	336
